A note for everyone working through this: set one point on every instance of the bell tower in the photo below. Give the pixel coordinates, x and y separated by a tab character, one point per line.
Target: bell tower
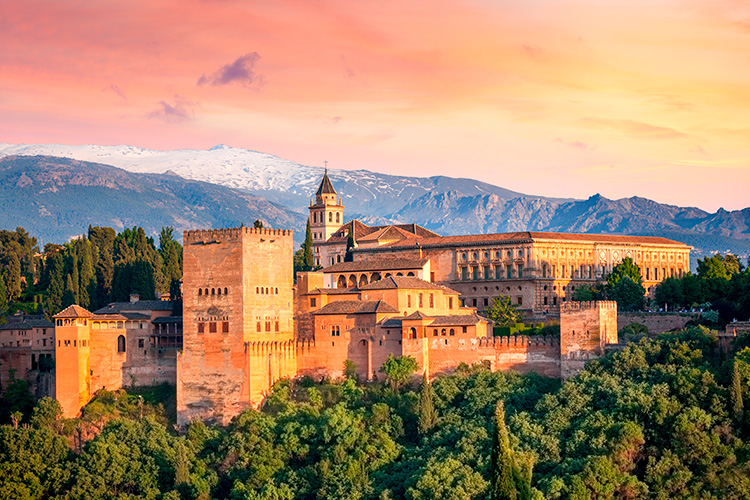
327	213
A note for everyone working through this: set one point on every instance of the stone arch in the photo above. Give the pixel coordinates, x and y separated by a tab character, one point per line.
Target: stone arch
412	333
410	273
225	290
121	343
435	332
352	281
399	274
218	291
388	275
213	291
200	292
341	282
375	277
443	332
362	280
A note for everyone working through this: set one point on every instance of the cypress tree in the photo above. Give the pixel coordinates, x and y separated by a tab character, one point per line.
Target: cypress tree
105	272
427	412
735	396
13	277
502	485
350	244
53	303
69	297
3	294
87	285
308	260
75	278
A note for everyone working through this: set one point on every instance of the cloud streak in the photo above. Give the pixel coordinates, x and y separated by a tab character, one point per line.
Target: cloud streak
241	71
635	128
180	110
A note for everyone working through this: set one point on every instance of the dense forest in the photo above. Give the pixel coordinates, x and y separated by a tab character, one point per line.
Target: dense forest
93	270
663	418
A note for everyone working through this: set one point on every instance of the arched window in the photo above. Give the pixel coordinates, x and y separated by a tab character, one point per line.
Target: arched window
337	217
205	292
341	282
257	291
452	332
315	217
330	216
213	291
262	290
257	326
434	332
266	290
277	291
225	290
200	292
218	291
442	332
121	343
412	333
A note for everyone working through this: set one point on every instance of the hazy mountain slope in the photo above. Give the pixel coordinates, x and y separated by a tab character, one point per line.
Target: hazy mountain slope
278	180
57	198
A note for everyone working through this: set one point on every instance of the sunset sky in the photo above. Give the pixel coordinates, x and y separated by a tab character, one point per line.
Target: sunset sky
557	98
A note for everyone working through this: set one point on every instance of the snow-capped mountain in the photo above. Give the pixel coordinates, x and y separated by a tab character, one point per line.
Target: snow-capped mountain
276	179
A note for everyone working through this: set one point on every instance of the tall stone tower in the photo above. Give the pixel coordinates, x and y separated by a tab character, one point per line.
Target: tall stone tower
237	320
327	213
585	329
72	359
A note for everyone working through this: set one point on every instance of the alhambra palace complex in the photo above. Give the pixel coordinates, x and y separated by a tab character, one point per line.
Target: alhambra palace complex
407	291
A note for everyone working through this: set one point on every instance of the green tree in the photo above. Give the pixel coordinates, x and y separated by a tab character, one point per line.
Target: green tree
503	484
13	277
56	289
350	245
74	277
87	285
399	370
3	294
502	311
628	294
307	249
586	293
625	268
735	396
175	295
350	369
669	293
258	224
69	297
427	412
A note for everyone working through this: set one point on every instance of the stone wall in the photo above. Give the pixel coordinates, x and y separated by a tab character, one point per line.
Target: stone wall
585	328
656	322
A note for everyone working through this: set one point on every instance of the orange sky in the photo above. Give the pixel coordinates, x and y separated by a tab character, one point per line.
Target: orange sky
558	98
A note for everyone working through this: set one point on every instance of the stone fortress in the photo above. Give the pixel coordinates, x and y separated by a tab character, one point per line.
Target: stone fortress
406	291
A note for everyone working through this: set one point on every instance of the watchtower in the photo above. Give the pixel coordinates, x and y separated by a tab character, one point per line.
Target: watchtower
72	359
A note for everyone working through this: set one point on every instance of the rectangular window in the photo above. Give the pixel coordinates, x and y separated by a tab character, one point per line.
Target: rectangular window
140	343
450	302
509	272
552	274
201	327
463	329
544	270
475	273
432	300
562	271
420	300
408	301
276	326
74	343
474	302
520	301
520	270
486	272
498	272
486	302
313	301
464	274
212	327
432	276
648	273
545	301
225	327
268	326
335	331
554	301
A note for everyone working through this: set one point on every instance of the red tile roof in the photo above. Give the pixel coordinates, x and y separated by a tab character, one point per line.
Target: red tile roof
356	307
376	265
362	230
73	311
408	282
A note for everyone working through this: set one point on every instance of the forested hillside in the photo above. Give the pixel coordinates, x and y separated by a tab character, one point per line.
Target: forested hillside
662	419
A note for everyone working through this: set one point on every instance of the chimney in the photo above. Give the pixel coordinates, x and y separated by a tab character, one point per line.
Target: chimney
134	297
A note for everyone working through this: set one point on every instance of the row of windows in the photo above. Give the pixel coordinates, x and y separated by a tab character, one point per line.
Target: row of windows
74	343
214	291
266	290
413	332
212	327
322	217
485	272
267	325
72	322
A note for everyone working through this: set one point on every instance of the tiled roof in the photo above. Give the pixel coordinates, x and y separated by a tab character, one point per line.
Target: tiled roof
356	307
457	320
391	323
325	186
363	232
141	305
409	282
73	311
376	265
26	322
109	317
166	320
417	315
525	236
334	291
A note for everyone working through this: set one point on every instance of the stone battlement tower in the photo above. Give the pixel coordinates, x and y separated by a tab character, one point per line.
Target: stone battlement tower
237	295
585	329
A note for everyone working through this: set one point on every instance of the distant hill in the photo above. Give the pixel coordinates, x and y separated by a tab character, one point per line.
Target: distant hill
446	205
57	198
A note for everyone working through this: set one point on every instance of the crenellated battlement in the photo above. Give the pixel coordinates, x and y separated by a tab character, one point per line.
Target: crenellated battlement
588	305
215	235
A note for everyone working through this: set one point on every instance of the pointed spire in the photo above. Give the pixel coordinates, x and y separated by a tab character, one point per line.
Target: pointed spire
325	185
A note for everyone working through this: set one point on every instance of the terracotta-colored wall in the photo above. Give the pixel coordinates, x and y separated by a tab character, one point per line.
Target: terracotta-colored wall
585	328
72	368
106	363
219	374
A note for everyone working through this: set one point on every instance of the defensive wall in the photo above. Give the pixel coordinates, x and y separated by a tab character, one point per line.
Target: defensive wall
655	322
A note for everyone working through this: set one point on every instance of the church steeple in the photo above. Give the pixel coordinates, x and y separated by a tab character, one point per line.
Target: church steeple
327	214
